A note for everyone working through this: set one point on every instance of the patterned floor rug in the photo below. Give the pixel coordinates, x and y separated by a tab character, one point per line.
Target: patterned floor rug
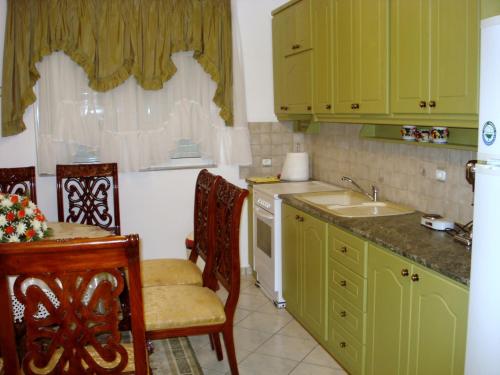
174	357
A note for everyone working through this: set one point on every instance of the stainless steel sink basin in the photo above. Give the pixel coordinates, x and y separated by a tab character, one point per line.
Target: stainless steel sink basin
348	203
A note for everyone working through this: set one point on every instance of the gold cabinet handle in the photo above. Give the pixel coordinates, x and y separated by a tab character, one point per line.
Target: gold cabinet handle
309	107
328	106
343	283
285	108
404	272
301	218
343	344
422	104
415	277
296	46
343	314
432	104
355	106
343	249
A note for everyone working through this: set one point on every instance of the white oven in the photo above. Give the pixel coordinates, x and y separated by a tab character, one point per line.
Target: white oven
267	232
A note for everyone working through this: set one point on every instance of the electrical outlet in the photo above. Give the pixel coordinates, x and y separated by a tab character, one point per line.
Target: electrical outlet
267	162
440	175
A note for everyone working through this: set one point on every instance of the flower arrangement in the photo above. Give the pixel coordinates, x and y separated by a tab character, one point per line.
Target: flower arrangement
20	219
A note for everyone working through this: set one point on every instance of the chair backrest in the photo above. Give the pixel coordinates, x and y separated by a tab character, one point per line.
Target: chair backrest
88	194
19	181
204	196
70	292
226	240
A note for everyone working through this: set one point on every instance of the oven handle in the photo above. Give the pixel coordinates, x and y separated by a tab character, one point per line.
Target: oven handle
263	214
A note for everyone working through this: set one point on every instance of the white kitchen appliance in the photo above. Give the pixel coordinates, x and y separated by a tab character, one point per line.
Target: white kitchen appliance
267	232
483	336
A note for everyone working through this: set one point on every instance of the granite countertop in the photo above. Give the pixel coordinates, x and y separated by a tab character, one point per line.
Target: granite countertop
404	235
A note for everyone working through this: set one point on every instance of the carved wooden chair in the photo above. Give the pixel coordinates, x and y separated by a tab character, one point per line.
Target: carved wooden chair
70	293
18	181
88	194
184	310
157	272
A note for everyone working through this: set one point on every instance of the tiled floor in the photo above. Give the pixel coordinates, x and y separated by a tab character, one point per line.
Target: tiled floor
268	341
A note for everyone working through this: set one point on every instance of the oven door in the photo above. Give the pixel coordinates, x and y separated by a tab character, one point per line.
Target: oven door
263	241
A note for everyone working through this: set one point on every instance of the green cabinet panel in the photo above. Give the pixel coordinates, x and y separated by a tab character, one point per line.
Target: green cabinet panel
347	249
417	319
304	244
322	56
346	350
313	275
347	316
438	325
292	59
291	259
347	283
360	38
435	56
388	314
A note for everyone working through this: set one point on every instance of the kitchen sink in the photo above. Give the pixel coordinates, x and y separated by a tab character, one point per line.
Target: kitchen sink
369	209
335	198
348	203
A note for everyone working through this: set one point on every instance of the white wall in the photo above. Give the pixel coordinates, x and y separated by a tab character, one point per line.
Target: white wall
158	205
254	19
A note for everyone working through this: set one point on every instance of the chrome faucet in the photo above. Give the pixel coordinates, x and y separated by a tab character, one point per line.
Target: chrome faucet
373	196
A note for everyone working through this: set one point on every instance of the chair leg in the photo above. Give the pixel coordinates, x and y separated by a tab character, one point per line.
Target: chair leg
227	333
211	342
218	348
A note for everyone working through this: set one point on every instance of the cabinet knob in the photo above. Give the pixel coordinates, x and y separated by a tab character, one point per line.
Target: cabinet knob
309	107
296	46
415	277
297	217
355	106
432	104
301	218
343	283
328	106
285	108
404	272
343	249
343	344
422	104
343	314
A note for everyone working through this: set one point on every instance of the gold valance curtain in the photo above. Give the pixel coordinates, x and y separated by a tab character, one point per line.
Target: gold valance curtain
111	40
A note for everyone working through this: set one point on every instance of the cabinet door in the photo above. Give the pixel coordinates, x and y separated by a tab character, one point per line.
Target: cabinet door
345	61
409	56
322	56
373	25
314	250
291	259
279	30
438	325
454	56
302	25
297	83
388	313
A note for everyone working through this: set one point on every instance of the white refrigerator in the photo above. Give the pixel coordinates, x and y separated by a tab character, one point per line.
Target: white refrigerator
483	334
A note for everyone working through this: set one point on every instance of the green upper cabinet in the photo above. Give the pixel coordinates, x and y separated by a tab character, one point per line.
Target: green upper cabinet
292	58
434	55
360	56
417	319
322	56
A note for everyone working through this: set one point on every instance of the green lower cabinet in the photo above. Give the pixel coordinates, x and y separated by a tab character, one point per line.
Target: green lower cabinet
304	269
417	319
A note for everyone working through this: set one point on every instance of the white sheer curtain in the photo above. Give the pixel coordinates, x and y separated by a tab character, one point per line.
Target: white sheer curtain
139	129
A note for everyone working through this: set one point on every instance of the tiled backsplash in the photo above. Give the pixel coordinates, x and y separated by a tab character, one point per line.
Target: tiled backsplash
269	140
403	173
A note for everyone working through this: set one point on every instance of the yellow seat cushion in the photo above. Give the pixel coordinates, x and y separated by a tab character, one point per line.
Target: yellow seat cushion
158	272
181	306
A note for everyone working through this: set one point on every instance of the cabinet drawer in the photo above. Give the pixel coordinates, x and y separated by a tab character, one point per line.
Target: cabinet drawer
346	350
343	314
348	250
347	284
